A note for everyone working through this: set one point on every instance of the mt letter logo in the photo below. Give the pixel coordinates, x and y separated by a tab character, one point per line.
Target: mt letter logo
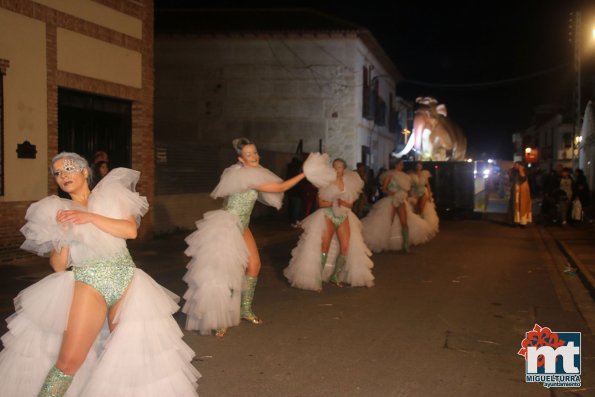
552	358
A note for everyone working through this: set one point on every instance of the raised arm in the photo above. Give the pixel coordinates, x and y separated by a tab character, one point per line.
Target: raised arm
280	187
122	228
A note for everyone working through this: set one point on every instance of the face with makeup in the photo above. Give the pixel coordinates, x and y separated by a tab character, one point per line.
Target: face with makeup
70	176
339	166
249	156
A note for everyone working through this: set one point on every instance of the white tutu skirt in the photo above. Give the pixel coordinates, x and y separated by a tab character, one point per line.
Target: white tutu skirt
304	270
382	234
144	356
215	275
431	217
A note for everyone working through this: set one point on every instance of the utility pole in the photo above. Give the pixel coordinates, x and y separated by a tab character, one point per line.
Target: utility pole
574	36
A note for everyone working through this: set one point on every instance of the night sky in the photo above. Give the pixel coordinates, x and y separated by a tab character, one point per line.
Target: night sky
490	67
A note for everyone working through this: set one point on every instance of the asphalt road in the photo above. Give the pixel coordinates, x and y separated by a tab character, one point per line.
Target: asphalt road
445	320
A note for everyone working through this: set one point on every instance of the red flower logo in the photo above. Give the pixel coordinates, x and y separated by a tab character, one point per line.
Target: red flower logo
539	337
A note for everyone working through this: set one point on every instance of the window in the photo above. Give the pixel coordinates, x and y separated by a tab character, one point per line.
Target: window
369	94
3	66
366	92
380	114
393	116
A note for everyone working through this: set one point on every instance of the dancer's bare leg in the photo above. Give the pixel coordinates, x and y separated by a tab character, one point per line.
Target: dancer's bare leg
402	212
87	315
327	235
253	267
252	271
343	234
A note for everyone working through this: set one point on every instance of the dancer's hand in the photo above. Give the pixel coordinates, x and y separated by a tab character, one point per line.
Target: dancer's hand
74	217
343	203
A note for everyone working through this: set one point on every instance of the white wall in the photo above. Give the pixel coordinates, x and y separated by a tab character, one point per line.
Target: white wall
25	105
380	141
276	91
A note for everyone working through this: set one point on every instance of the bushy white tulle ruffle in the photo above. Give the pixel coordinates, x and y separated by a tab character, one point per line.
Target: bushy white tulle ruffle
215	273
238	178
144	356
318	170
113	197
382	233
304	270
353	186
42	231
431	217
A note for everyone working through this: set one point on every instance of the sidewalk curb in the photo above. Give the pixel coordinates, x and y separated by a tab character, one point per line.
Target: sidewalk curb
576	262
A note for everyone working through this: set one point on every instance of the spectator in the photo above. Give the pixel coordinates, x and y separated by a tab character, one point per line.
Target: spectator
581	188
100	155
565	194
551	183
100	170
520	196
359	206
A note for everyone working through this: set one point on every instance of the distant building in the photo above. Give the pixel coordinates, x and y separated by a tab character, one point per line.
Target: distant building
74	76
548	141
278	77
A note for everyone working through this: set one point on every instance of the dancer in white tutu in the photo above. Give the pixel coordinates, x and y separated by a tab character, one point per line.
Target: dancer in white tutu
421	196
223	271
105	321
392	224
332	247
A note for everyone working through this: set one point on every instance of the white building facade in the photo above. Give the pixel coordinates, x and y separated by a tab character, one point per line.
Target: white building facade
333	90
552	138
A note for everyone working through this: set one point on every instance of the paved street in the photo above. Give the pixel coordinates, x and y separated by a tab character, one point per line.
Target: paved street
445	320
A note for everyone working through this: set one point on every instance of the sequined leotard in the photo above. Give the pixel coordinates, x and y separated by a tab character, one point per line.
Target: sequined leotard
241	204
337	220
109	276
399	186
394	187
418	184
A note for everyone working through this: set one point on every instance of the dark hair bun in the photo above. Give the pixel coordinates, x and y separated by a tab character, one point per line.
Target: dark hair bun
239	143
